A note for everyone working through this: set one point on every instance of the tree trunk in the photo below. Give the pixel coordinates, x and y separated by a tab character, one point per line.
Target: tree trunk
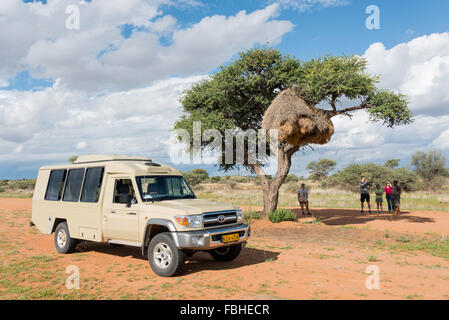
271	188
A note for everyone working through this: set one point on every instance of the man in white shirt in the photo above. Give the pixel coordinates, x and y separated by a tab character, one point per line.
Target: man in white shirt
303	199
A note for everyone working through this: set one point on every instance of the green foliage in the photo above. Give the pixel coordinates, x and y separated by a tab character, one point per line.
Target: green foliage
72	159
389	108
279	215
324	77
349	177
320	169
252	215
431	166
215	179
196	176
392	163
291	178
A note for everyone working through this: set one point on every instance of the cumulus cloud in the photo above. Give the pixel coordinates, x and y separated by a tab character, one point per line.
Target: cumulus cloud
98	58
442	142
59	122
418	68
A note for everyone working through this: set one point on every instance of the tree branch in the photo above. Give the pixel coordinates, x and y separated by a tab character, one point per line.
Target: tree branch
333	100
346	111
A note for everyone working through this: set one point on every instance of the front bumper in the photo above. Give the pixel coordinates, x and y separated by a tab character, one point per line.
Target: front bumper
210	238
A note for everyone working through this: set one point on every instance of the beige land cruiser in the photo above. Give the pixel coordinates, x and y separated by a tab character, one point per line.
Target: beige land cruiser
134	201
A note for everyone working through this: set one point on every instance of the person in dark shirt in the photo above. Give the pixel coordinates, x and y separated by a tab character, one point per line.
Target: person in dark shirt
364	194
396	197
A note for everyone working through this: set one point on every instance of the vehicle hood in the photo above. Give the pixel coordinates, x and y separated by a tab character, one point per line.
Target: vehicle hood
193	206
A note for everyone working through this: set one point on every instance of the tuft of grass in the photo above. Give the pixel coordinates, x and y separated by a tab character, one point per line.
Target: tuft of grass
280	215
372	258
252	215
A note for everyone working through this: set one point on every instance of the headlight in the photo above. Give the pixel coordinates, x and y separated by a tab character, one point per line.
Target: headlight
190	221
239	213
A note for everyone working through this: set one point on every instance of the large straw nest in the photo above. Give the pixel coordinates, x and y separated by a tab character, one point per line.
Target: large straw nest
298	123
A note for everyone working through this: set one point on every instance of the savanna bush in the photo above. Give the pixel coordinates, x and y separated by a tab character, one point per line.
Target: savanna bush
196	176
215	179
349	177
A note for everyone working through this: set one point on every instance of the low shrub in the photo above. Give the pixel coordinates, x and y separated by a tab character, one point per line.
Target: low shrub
215	179
252	215
291	178
196	176
279	215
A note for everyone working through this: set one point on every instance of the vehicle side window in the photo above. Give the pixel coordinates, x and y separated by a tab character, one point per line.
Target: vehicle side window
55	184
124	191
92	184
73	185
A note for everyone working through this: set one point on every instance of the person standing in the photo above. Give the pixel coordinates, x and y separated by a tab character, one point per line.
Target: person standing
364	194
379	198
388	190
303	199
396	197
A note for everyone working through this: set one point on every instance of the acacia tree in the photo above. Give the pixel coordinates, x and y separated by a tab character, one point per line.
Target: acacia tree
431	166
392	163
320	169
239	93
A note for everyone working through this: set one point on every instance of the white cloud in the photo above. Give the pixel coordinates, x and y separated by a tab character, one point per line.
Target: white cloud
419	68
304	5
442	142
81	145
57	122
98	58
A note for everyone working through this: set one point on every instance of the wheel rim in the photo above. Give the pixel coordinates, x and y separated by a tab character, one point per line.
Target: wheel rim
222	251
162	255
61	238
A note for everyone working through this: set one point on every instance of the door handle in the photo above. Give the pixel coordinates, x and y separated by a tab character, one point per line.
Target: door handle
112	211
131	213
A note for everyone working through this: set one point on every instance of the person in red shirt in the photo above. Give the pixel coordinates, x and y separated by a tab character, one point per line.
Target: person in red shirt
388	191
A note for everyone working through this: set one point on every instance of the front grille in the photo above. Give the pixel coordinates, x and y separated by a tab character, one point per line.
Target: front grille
219	218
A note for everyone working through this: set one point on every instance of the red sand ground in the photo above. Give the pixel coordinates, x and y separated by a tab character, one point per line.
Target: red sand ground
290	260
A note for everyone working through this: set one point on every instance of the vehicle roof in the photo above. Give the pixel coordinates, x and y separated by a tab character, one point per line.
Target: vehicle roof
114	164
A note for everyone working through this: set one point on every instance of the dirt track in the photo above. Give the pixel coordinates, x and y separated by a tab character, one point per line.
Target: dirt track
290	260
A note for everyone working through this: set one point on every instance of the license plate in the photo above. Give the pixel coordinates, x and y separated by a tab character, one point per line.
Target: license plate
230	237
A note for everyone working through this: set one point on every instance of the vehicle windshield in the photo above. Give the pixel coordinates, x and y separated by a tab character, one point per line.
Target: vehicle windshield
155	188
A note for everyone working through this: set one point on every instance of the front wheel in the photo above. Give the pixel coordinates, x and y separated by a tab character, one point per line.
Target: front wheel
63	242
226	253
164	257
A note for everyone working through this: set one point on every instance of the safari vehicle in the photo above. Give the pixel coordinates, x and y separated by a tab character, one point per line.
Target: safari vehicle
136	202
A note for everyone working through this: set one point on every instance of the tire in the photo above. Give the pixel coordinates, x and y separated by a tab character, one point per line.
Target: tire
165	258
63	242
226	253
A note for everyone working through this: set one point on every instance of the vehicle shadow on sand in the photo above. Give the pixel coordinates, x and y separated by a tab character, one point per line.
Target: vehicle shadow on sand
198	262
249	256
335	217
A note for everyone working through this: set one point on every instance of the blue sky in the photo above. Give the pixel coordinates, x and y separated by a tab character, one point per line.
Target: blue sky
65	92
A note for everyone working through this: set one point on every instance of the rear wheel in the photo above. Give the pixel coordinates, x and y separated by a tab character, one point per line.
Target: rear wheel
164	257
63	242
226	253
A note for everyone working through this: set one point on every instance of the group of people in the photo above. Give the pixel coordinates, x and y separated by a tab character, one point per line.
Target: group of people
392	196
